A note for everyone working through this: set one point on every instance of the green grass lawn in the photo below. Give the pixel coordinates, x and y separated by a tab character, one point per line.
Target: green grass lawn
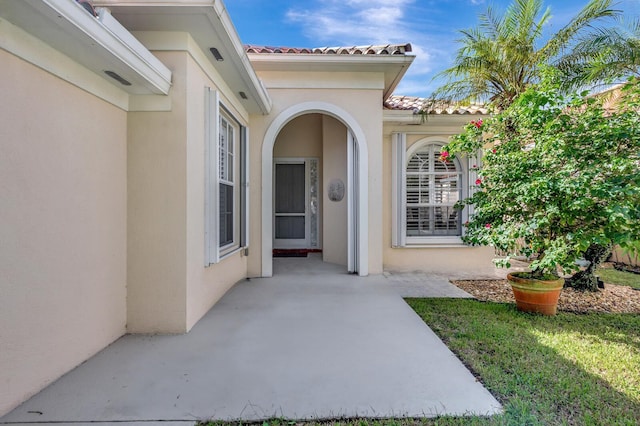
567	369
570	369
613	276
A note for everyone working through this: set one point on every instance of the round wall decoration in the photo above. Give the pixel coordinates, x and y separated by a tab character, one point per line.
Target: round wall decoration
336	190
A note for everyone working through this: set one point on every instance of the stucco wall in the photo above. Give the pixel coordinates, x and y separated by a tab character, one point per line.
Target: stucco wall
157	216
205	286
300	138
170	288
334	135
455	260
62	228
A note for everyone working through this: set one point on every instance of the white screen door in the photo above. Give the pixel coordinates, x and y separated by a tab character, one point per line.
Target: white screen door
291	211
296	203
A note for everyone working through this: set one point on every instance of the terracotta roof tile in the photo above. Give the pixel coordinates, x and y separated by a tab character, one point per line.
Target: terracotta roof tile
387	49
416	104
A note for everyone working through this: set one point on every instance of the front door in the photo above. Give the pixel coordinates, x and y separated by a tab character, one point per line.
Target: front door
295	204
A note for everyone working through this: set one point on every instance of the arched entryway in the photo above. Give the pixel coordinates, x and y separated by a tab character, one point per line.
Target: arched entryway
356	185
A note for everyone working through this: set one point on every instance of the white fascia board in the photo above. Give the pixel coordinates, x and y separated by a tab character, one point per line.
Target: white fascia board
132	52
275	61
408	117
66	26
249	75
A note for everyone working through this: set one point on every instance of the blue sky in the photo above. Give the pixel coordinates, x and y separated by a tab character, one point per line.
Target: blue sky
429	25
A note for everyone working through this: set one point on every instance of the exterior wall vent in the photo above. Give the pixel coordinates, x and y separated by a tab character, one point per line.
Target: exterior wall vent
117	77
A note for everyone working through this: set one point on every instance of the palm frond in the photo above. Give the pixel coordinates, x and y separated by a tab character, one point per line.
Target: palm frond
499	58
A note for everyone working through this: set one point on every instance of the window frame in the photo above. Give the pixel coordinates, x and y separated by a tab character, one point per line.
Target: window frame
400	157
227	172
218	173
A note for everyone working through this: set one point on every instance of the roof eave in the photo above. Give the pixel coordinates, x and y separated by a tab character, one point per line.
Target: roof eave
99	43
394	67
408	117
218	31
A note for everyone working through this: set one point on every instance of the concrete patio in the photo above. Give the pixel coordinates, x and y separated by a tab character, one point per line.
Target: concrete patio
312	342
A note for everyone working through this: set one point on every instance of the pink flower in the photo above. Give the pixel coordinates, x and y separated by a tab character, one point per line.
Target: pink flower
488	226
444	154
478	181
493	150
478	123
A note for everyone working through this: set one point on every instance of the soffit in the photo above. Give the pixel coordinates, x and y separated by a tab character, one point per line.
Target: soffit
99	43
210	26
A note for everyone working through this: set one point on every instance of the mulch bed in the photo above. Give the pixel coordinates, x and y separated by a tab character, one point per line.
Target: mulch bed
612	299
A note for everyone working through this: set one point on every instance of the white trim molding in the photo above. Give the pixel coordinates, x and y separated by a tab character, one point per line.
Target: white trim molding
362	169
211	216
398	219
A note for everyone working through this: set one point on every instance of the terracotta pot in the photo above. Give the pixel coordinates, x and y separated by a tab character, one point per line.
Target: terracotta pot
533	295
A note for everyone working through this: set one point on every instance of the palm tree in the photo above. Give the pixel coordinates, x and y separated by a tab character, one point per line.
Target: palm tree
503	55
603	55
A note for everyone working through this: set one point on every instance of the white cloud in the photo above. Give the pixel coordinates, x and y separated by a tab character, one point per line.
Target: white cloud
354	22
365	22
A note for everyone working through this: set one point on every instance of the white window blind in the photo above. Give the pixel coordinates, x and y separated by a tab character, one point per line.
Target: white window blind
433	187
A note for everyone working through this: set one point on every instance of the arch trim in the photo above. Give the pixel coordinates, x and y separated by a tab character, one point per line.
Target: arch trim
361	245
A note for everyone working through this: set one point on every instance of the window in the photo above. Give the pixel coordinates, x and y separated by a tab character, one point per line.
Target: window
425	191
432	189
226	181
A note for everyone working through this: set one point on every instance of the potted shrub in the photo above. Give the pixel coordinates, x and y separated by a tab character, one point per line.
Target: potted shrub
557	175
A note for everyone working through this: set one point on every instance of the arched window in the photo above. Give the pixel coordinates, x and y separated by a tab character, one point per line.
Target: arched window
433	186
425	189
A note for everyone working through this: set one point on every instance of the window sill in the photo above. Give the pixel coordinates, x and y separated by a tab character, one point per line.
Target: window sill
427	241
434	242
433	245
229	252
226	254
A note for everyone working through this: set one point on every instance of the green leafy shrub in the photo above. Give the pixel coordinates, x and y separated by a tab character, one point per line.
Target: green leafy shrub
558	174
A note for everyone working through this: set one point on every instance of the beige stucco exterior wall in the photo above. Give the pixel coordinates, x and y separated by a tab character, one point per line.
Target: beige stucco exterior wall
63	227
205	286
364	106
157	211
170	288
334	135
300	138
441	259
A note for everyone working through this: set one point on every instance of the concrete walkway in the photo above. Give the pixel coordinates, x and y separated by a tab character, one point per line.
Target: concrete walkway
312	342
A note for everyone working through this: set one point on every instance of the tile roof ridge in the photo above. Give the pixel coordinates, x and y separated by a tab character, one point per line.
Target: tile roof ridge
438	107
383	49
